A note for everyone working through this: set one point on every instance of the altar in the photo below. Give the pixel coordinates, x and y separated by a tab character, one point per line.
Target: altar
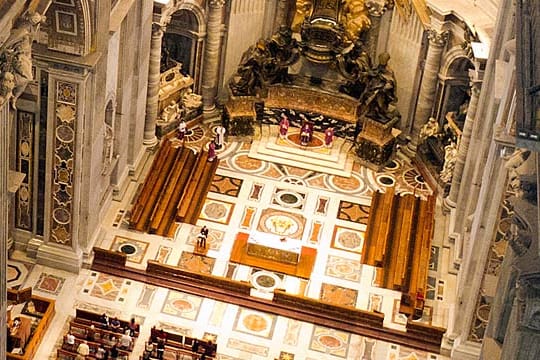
274	247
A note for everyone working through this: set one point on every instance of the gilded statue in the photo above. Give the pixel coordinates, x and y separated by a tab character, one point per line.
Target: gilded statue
355	19
303	10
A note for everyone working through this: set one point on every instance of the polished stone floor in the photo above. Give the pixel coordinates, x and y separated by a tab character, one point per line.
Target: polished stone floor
324	210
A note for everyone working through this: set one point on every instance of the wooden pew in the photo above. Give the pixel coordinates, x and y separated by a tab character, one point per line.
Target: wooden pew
404	228
197	201
187	196
149	183
379	228
92	318
93	345
168	218
168	163
419	257
168	187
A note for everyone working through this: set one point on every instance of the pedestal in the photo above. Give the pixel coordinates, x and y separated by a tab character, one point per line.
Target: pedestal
376	143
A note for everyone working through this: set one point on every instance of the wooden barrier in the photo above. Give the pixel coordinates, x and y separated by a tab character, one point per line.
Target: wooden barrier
343	313
157	268
45	308
109	257
379	228
187	196
428	333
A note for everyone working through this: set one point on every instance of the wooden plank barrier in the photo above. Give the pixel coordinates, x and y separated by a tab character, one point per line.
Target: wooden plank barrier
181	275
109	257
342	313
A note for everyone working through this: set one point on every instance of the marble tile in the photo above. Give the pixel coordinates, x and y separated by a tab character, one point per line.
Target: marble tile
255	323
182	305
49	283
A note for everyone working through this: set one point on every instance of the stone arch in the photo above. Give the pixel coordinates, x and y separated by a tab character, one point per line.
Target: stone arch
68	26
454	84
189	37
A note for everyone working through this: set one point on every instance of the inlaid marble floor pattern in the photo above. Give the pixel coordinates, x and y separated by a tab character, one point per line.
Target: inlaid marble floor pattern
324	211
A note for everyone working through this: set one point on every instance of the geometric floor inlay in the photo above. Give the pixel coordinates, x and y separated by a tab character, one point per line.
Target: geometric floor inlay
255	323
196	263
338	295
353	212
343	268
181	304
330	341
348	239
49	283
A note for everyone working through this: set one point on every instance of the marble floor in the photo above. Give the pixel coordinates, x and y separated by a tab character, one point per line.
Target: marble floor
324	210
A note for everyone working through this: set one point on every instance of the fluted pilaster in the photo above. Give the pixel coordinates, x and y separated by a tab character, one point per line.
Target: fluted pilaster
212	53
424	107
4	225
376	9
281	14
153	86
450	200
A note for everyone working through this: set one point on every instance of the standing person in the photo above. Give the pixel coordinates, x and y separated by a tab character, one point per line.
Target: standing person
201	238
104	320
212	151
133	327
160	348
329	136
220	136
182	129
283	126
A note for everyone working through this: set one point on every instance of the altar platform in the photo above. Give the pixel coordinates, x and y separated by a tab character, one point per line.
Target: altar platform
335	160
241	254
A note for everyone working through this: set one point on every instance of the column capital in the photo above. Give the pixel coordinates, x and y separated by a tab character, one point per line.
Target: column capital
216	4
376	8
437	38
157	29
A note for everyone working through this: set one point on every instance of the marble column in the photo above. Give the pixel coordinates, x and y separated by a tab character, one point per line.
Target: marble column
376	11
4	225
152	96
450	200
212	54
281	15
428	88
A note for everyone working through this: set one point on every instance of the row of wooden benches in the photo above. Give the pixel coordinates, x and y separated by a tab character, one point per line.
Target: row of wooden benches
174	189
398	242
183	344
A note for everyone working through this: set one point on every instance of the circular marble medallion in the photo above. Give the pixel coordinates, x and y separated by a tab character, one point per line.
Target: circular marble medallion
349	239
255	322
65	133
61	215
182	305
392	165
386	180
348	184
330	341
265	281
294	180
128	249
289	198
215	210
